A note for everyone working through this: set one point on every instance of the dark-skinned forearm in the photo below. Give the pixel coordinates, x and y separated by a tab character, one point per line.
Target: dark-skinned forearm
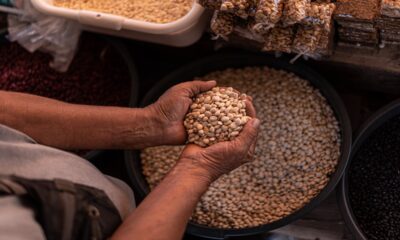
71	126
164	214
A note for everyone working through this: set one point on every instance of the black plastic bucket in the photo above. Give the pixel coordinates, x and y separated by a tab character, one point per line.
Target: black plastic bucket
369	127
220	62
122	50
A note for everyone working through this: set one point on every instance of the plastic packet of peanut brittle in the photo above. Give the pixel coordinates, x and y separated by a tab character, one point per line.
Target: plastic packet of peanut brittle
319	14
294	11
279	39
307	39
241	8
259	28
222	24
268	12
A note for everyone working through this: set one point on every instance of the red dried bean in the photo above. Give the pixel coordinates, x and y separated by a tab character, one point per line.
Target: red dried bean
97	75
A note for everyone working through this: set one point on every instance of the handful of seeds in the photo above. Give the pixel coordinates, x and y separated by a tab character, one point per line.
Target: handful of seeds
297	151
215	116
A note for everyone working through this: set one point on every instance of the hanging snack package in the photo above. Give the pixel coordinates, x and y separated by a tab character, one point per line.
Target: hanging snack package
307	39
211	4
279	39
390	8
268	12
240	8
258	28
319	14
294	11
222	24
35	31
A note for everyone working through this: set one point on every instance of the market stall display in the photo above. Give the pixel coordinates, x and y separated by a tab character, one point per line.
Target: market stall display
236	203
369	190
305	27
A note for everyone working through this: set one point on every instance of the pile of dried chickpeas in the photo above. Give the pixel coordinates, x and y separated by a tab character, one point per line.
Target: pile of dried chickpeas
215	116
297	151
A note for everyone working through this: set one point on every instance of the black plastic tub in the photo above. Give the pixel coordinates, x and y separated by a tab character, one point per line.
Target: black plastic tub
120	47
369	127
220	62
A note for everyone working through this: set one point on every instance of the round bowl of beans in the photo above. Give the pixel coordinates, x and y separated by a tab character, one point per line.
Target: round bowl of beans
302	150
102	73
369	191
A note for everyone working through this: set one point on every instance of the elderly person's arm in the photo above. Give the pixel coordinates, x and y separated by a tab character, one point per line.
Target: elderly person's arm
163	215
72	126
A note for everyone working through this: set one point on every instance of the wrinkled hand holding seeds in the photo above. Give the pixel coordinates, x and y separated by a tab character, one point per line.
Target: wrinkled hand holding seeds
215	116
298	149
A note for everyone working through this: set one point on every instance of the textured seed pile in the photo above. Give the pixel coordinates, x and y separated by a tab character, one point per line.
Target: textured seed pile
215	116
158	11
298	149
98	75
374	183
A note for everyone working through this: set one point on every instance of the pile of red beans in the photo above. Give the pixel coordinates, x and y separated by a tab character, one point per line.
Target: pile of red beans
98	75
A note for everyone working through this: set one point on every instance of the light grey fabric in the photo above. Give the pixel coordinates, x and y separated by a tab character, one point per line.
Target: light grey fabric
22	156
17	221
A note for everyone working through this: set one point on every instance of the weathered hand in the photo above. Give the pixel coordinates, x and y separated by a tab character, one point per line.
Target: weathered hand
171	108
223	157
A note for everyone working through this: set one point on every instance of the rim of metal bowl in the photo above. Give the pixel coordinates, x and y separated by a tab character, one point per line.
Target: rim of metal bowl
379	118
223	61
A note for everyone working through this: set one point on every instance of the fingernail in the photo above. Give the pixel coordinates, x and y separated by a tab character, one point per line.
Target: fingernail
212	81
256	123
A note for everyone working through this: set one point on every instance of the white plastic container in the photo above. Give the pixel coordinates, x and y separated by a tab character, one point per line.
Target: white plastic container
182	32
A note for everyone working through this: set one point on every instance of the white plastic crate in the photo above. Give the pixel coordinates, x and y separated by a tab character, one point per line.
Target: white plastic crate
182	32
